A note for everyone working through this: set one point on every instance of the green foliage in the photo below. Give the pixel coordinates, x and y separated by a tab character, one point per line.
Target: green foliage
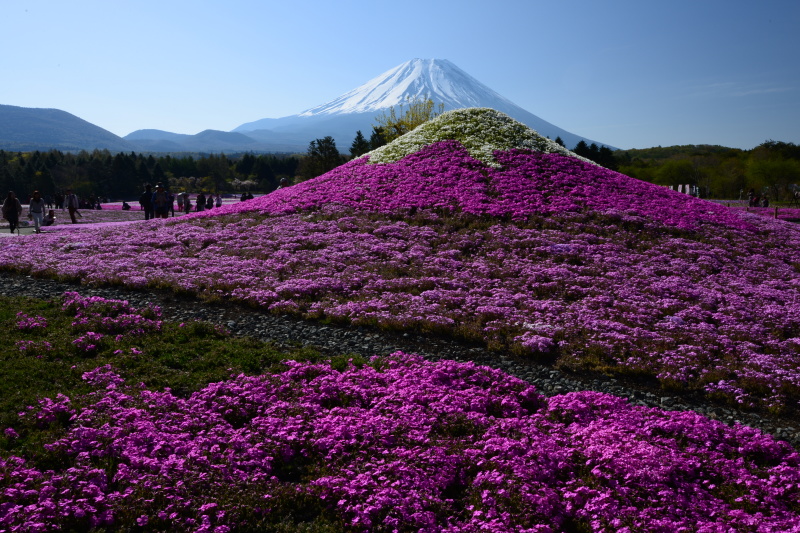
376	140
602	155
360	145
772	168
397	122
322	157
44	361
123	176
773	174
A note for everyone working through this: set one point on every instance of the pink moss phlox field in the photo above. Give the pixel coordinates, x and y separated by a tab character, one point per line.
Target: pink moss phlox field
406	445
555	257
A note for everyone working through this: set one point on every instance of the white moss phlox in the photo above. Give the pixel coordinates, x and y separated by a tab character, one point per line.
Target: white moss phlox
481	130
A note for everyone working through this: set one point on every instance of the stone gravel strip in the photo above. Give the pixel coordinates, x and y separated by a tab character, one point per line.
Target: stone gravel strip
331	340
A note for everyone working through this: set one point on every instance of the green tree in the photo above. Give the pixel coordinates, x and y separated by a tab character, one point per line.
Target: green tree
582	149
774	176
397	122
676	172
360	145
262	173
322	157
376	140
215	171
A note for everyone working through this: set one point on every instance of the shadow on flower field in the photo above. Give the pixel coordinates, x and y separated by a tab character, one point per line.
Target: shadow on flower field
471	227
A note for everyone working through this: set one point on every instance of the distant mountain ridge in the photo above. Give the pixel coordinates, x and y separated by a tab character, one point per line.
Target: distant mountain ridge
26	129
205	141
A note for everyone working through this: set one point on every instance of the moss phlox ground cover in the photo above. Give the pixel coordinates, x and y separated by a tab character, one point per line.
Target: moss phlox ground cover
404	444
540	253
547	254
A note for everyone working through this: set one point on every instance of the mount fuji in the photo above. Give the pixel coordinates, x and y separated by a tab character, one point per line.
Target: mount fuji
437	79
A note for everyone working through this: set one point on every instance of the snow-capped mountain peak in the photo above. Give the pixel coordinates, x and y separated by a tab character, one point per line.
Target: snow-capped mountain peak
437	79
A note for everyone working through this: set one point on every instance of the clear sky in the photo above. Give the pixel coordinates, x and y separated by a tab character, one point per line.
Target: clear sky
628	73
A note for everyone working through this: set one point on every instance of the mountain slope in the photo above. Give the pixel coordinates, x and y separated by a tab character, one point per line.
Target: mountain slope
205	141
438	79
26	129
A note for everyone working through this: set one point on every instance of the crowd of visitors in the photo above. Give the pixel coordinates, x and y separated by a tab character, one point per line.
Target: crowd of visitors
161	203
156	202
754	200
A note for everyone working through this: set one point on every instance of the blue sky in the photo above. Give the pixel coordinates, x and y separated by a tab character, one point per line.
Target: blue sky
628	73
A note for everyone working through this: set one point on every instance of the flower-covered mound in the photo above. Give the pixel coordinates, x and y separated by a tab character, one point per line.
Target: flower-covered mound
481	131
403	445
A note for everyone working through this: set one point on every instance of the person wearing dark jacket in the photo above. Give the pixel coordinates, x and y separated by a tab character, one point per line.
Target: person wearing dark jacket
146	201
12	209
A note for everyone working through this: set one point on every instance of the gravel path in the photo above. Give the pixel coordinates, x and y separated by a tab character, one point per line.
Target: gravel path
288	331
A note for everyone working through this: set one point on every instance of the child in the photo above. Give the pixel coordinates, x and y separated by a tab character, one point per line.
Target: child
49	218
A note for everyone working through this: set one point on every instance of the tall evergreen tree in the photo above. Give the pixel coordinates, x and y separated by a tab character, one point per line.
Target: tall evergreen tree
322	156
582	149
360	145
376	140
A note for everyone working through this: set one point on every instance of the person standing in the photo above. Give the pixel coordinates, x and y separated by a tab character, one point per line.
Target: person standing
36	210
160	202
218	200
71	201
201	202
146	201
12	209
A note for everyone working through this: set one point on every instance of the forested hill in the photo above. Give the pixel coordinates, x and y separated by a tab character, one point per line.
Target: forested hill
772	168
659	153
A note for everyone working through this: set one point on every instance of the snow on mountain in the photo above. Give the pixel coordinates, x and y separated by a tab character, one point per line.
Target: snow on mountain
437	79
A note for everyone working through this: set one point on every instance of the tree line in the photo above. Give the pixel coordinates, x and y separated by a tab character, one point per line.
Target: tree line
123	176
323	155
771	168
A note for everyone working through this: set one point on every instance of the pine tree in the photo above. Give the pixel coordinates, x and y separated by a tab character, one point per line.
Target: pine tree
360	145
376	140
322	156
